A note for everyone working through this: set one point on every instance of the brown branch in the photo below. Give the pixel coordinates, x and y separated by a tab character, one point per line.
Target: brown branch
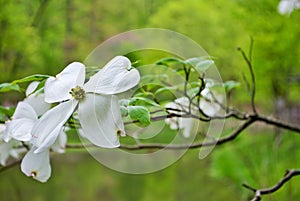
221	141
278	123
250	119
259	192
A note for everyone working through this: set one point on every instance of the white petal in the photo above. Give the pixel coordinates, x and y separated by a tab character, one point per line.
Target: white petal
37	101
173	122
37	165
20	129
16	152
24	111
2	129
187	126
209	108
5	148
101	121
60	142
22	122
57	88
115	77
208	104
48	127
6	133
31	87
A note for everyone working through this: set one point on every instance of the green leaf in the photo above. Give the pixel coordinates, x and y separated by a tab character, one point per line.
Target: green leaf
6	87
204	65
168	61
142	101
31	78
199	63
231	84
144	94
165	89
140	114
193	91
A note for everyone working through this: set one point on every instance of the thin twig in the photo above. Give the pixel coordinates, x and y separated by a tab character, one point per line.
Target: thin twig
253	83
250	49
259	192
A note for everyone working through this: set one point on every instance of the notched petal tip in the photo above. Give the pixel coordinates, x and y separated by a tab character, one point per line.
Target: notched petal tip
57	88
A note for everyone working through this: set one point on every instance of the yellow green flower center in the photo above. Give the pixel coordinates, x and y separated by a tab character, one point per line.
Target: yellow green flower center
77	93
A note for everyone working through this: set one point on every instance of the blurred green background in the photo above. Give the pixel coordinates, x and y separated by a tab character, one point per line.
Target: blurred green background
44	36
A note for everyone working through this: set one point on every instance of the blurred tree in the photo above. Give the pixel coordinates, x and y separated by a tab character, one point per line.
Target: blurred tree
220	29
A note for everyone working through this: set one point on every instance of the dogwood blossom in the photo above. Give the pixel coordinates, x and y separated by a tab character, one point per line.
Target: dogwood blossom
98	109
19	129
178	122
207	105
26	115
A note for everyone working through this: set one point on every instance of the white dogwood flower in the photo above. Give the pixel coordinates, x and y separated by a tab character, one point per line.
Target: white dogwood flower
98	109
181	106
26	115
179	122
19	128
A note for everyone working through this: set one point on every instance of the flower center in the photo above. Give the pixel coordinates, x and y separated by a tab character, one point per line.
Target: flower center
77	93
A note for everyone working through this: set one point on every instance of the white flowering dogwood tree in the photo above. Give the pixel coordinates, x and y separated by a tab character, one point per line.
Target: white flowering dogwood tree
95	106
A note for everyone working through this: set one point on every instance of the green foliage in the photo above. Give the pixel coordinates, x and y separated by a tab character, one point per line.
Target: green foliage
169	61
230	85
200	64
221	29
31	78
142	101
6	87
140	114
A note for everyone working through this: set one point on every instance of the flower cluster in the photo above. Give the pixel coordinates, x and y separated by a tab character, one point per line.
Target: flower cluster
209	105
38	124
